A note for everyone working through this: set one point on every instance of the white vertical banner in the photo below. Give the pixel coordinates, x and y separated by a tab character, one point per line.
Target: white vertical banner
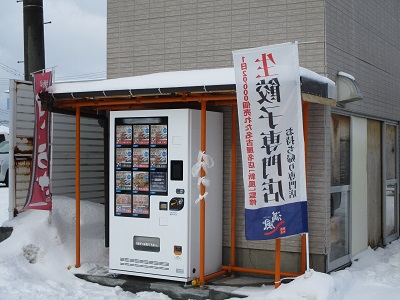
272	142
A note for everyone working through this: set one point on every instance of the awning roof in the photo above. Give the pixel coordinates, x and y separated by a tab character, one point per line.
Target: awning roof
209	80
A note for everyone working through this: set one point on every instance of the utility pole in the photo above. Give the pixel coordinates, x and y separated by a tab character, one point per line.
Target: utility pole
34	59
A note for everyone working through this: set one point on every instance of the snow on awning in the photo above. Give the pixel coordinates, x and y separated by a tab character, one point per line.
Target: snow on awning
209	80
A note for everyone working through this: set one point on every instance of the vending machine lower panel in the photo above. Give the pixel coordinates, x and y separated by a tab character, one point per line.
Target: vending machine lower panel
154	217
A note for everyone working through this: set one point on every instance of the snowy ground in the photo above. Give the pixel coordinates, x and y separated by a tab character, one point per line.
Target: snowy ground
35	263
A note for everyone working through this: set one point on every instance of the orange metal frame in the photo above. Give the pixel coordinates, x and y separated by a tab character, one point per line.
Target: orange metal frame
78	187
213	99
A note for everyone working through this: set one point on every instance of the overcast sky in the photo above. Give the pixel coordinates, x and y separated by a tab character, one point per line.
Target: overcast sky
75	41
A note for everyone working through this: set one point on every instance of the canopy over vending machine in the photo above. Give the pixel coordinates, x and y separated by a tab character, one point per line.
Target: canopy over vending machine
154	217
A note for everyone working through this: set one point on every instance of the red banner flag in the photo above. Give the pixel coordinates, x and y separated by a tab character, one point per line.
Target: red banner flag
39	196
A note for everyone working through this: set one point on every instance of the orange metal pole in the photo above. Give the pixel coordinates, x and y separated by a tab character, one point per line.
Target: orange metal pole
305	133
257	271
233	188
303	253
118	101
202	191
77	187
215	275
277	262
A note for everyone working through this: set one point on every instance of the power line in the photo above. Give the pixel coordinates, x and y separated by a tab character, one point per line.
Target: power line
4	81
11	70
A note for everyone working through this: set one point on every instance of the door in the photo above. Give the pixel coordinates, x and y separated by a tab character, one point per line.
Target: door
339	253
390	211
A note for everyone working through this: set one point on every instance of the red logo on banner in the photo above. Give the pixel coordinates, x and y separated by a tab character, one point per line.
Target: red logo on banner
39	196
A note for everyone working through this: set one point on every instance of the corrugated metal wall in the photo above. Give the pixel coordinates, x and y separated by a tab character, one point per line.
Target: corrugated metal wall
21	139
63	158
63	148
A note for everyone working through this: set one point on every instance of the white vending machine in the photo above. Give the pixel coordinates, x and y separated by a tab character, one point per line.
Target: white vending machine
154	217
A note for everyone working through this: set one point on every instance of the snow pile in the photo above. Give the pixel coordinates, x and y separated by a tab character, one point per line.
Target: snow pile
36	260
373	274
317	286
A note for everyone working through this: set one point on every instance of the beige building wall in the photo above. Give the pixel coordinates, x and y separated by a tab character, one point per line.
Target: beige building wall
147	36
363	39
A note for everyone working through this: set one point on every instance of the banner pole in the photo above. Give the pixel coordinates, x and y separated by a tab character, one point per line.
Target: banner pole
202	192
233	187
77	187
303	254
277	262
305	264
307	253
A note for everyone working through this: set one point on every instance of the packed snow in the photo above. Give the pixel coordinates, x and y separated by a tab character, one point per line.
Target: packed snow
37	262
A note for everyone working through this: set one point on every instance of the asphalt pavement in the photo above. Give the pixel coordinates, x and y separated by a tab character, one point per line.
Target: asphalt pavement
218	289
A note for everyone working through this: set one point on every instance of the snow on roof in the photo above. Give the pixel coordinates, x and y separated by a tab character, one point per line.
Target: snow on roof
346	75
315	76
151	81
177	79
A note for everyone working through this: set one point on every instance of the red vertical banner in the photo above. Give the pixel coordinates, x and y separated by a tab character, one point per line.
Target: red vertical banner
39	196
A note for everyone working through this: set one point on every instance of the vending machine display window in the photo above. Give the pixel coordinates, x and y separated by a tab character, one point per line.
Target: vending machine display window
141	134
141	164
140	181
123	158
158	158
123	204
159	134
123	135
141	206
158	182
123	181
140	158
